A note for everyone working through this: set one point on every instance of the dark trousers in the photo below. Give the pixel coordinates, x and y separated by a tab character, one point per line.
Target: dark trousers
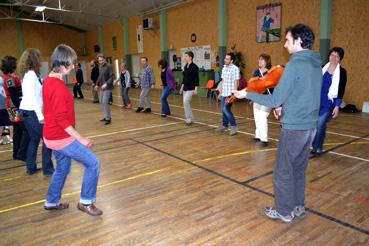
77	89
289	171
34	129
20	141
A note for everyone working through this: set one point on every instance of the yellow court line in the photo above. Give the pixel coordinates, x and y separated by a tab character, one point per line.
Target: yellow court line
9	179
76	192
238	153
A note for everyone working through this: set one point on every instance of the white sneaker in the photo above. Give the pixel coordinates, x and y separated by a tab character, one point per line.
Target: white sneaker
299	212
221	129
273	214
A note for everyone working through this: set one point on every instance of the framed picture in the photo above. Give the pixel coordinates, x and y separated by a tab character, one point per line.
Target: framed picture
268	23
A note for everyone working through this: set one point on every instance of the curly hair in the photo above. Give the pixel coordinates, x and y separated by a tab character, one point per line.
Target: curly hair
29	61
8	64
304	32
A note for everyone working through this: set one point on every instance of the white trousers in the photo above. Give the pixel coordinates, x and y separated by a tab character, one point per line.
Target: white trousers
261	114
187	96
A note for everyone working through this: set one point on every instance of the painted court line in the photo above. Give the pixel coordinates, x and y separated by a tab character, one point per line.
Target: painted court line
236	154
116	132
77	192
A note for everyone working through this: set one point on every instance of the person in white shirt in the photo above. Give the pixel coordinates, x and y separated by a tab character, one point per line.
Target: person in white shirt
31	110
230	78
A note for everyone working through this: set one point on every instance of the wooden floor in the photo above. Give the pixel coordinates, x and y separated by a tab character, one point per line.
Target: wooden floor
163	183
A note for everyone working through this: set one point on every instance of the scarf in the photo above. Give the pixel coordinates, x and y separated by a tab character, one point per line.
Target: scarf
333	89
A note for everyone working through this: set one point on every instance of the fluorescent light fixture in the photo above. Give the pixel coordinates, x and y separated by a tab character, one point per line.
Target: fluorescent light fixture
40	8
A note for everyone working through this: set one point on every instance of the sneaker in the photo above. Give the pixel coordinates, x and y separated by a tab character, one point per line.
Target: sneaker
221	129
90	209
274	215
264	143
31	172
147	110
61	206
233	131
129	106
299	212
107	122
256	139
103	119
189	123
139	109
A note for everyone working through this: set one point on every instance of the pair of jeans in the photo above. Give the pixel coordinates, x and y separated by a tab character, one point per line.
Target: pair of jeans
290	169
164	100
20	141
227	115
125	98
321	130
87	158
187	96
34	129
104	100
145	96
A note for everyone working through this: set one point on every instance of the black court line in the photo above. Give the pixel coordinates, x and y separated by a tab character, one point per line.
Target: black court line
310	157
328	217
341	145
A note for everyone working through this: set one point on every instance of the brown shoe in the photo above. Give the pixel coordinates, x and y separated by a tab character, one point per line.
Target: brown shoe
61	206
90	209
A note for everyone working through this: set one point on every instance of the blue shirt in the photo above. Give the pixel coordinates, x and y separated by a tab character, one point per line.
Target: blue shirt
327	105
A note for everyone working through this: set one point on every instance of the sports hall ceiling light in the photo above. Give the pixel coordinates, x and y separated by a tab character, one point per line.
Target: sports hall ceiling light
40	8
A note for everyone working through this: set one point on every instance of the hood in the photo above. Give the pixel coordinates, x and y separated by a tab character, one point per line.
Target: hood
308	55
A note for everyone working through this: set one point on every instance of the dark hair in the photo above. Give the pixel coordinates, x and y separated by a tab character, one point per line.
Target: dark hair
267	59
144	57
231	54
8	64
338	50
190	54
79	64
304	32
163	63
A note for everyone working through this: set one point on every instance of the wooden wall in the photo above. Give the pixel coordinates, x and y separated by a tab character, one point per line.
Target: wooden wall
44	37
349	31
242	28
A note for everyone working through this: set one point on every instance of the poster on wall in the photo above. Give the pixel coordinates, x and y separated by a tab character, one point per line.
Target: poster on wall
268	23
202	56
139	37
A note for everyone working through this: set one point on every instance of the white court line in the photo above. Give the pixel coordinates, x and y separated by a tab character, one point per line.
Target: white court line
350	156
241	117
122	131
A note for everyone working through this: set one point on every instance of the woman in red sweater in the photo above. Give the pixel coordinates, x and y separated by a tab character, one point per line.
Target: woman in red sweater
61	136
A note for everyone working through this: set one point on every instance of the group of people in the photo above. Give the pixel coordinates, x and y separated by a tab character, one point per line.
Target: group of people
305	99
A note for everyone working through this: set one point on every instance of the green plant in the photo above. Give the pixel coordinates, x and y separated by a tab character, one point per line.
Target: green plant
239	59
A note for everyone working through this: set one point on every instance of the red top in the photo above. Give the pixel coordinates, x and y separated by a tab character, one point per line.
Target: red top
58	109
13	90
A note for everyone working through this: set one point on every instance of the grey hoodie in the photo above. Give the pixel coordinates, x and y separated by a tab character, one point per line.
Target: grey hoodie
298	92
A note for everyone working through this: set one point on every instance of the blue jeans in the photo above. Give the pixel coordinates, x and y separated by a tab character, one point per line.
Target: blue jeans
164	102
34	129
227	114
320	131
87	158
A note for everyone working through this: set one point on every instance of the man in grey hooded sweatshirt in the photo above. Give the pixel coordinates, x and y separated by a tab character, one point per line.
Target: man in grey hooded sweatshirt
298	96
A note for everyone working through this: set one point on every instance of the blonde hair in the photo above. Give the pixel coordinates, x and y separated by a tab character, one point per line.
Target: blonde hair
29	61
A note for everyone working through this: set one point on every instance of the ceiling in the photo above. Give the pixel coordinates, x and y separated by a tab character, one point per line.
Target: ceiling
82	14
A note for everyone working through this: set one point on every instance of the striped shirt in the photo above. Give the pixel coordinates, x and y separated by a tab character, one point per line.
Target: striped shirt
230	73
147	77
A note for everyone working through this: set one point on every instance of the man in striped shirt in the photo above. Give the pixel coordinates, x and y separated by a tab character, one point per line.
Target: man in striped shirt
230	78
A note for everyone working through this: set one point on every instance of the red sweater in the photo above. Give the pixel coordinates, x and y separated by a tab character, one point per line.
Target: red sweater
58	109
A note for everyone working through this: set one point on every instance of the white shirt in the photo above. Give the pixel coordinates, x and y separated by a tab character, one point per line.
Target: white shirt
230	73
32	94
